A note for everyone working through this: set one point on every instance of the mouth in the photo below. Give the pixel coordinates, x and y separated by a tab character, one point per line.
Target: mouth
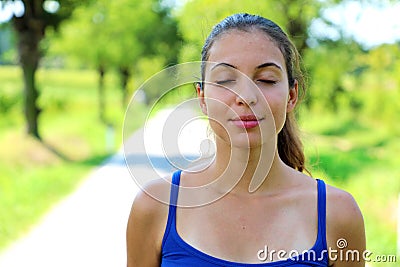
246	121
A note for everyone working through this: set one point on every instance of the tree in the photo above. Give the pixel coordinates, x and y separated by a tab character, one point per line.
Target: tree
196	19
332	65
120	35
144	29
30	28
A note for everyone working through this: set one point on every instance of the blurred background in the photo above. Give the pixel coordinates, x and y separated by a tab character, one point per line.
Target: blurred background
68	69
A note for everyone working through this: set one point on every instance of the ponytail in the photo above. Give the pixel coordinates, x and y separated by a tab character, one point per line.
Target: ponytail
290	147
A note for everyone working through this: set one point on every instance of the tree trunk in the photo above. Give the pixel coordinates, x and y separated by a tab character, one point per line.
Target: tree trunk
102	105
30	32
296	26
337	90
298	32
125	75
31	94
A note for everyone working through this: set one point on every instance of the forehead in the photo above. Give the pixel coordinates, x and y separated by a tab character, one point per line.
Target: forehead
246	48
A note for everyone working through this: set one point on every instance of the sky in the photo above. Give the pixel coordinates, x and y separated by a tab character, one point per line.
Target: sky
369	25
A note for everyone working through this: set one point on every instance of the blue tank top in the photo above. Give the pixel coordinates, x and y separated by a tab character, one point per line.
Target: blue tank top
177	253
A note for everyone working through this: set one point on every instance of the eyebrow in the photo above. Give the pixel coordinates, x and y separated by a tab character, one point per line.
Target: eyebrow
223	64
264	65
268	64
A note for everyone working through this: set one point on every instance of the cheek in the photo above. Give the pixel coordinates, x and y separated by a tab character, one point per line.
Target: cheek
217	103
218	111
278	105
280	118
217	121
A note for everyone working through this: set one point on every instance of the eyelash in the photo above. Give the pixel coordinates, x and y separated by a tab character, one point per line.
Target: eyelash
268	81
261	80
224	82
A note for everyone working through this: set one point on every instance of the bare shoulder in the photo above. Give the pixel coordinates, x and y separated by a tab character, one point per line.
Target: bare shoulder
345	224
153	198
146	224
342	209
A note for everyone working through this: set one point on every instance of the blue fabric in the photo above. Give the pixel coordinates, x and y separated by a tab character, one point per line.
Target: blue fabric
177	253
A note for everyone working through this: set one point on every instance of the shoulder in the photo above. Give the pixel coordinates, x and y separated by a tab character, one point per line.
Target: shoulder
342	209
153	198
151	203
344	222
147	223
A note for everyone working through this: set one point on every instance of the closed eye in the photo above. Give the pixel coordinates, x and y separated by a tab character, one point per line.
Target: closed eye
222	82
267	81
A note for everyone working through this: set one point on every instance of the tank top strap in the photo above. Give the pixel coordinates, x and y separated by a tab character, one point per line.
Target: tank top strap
322	212
173	200
176	179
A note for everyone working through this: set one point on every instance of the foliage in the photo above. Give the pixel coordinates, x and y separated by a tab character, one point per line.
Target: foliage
196	19
356	153
120	35
345	77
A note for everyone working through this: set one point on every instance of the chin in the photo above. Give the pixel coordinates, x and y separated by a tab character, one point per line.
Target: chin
247	142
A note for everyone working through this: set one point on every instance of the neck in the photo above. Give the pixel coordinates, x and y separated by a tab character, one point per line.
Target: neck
248	170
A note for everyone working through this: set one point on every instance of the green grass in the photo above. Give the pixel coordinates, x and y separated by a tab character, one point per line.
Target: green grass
27	194
35	175
359	155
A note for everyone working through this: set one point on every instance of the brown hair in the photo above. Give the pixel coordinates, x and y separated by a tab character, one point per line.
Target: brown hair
290	147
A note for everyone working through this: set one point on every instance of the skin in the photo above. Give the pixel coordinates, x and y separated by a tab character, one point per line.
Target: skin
283	213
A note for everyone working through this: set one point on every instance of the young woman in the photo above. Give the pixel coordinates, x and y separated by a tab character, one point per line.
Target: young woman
250	87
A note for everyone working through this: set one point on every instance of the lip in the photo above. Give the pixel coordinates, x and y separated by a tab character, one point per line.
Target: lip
246	121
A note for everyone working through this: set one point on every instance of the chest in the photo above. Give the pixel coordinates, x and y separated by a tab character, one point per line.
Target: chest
236	230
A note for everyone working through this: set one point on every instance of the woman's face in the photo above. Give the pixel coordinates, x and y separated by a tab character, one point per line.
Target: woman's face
246	93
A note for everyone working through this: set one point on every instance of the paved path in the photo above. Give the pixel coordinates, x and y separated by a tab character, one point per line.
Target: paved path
88	227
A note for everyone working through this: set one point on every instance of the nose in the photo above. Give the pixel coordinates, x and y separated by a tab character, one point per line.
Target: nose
247	94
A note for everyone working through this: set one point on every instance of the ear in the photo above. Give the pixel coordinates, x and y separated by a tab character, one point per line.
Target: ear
200	96
293	97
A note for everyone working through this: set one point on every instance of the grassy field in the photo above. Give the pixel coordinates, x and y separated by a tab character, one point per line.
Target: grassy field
350	151
35	175
359	155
